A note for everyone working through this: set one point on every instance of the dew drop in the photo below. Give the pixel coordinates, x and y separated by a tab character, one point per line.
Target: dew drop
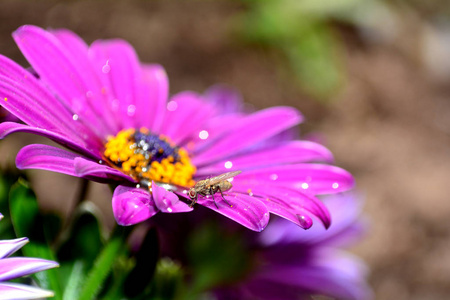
228	165
203	134
89	94
169	209
115	104
100	161
75	117
172	106
106	68
305	185
274	177
131	110
304	221
335	185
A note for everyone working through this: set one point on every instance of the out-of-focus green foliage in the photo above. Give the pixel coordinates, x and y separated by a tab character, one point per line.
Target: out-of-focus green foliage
28	222
86	258
301	31
216	258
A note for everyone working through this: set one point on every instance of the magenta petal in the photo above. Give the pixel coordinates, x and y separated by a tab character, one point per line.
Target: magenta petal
8	247
226	99
153	101
252	129
243	209
14	267
15	291
285	153
308	178
7	128
48	158
79	53
29	99
91	169
168	202
132	205
214	130
292	205
121	74
186	113
71	78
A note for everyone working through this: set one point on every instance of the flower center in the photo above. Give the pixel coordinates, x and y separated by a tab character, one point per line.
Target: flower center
146	157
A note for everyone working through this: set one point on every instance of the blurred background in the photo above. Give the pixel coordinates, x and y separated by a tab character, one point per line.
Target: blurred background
371	77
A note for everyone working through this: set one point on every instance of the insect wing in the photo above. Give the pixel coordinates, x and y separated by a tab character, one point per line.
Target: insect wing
223	177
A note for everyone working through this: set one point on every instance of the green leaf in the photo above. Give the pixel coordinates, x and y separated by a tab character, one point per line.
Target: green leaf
84	237
29	223
74	281
216	258
104	264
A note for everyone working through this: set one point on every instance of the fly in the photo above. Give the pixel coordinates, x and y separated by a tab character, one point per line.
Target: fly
210	186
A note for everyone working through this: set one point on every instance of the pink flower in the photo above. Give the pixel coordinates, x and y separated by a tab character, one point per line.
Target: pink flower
114	116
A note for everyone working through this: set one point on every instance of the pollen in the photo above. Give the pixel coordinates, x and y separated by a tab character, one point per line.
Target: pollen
146	157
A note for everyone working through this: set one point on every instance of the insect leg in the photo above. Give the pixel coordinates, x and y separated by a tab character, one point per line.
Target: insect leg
193	202
223	198
211	191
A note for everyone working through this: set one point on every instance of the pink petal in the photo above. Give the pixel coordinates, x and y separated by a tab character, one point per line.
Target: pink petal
29	100
48	158
227	100
284	153
7	128
15	291
132	205
250	130
168	202
243	209
79	51
292	204
309	178
118	67
54	159
8	247
15	267
186	113
152	105
71	78
90	169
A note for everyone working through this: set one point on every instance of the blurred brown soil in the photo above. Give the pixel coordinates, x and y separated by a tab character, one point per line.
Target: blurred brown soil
389	126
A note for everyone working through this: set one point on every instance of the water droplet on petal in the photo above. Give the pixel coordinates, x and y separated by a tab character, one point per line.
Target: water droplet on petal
335	185
106	68
89	94
228	165
131	110
115	104
304	221
100	161
305	185
172	106
274	177
75	117
203	134
169	209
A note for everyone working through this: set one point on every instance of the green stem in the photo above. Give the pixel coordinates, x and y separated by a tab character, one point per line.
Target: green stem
103	264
